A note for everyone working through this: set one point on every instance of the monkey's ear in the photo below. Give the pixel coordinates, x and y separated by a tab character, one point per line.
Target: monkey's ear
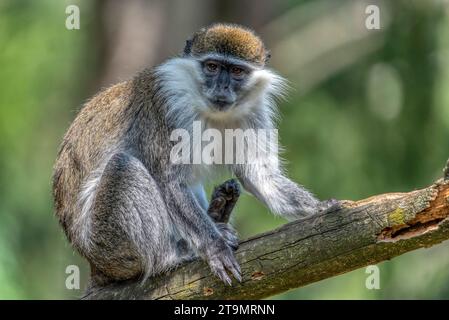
267	56
189	42
188	47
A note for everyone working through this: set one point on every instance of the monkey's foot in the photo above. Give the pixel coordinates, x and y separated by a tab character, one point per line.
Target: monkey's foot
229	234
221	259
224	198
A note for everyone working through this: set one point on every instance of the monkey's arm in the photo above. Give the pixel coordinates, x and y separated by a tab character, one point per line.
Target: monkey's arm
283	196
200	231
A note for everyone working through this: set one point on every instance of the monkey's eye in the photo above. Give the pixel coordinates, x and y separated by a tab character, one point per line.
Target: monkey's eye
212	67
237	72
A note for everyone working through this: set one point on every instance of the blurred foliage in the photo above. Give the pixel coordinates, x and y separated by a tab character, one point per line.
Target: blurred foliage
379	125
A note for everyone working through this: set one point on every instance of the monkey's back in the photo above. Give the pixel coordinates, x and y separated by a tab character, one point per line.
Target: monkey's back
95	132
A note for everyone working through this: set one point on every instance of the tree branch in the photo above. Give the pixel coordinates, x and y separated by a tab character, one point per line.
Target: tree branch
305	251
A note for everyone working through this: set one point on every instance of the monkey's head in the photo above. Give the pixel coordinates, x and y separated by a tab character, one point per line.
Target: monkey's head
230	63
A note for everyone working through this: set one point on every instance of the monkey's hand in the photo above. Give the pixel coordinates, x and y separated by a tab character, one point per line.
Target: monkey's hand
329	205
220	258
224	198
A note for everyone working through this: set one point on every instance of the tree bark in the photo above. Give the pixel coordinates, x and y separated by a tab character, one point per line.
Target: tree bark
361	233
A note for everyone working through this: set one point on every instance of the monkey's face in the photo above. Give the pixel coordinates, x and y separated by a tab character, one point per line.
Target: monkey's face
224	81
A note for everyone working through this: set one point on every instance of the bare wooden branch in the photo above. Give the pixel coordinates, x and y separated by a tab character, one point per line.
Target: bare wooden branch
362	233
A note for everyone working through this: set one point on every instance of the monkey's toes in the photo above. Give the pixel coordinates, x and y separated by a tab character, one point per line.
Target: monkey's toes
222	262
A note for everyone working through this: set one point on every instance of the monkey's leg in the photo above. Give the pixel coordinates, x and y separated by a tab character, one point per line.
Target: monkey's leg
130	232
196	227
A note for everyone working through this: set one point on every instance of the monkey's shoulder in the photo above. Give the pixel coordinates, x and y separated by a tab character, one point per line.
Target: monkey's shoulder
115	96
99	123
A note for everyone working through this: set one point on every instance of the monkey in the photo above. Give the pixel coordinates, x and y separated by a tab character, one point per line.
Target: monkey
131	211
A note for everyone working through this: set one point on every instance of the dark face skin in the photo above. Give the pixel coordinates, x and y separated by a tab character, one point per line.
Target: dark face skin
224	81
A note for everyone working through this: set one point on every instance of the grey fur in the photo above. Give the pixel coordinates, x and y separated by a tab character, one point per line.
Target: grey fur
131	212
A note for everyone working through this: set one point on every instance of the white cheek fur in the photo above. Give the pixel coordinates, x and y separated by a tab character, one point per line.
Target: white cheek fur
182	84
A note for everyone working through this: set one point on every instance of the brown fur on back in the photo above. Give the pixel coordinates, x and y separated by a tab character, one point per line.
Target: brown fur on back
98	124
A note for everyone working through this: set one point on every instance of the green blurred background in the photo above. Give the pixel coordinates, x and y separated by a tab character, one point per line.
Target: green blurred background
368	113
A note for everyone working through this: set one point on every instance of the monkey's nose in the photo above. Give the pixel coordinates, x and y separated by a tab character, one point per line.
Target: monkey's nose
221	98
221	102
